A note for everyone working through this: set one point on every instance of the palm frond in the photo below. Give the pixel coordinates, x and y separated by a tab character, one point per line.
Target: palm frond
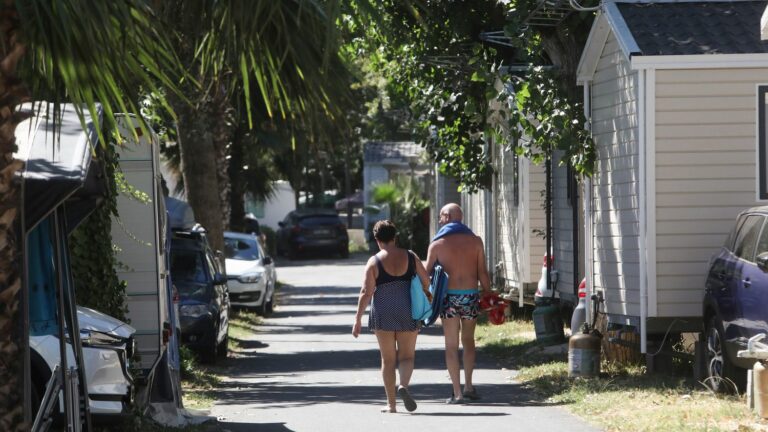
90	53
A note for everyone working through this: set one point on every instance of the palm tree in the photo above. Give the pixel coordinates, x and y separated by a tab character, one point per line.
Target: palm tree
76	51
274	53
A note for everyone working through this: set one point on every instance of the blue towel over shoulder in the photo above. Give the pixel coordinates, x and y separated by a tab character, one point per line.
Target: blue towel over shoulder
452	228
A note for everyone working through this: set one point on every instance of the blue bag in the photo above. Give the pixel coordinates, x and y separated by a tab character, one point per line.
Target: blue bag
421	308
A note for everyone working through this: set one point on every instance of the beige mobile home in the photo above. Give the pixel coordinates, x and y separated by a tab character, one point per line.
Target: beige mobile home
671	91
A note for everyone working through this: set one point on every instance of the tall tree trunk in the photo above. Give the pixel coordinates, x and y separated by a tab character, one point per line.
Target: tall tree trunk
222	115
236	198
565	52
199	168
13	337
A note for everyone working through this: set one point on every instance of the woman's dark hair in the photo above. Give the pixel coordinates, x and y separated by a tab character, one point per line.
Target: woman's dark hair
384	231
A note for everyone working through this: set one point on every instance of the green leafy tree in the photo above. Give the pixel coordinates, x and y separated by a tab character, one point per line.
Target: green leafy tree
276	54
451	60
93	256
70	50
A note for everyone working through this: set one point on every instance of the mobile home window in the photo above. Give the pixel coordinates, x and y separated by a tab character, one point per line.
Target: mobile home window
762	143
572	185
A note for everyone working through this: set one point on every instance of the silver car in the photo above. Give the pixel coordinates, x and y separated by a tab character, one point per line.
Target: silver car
251	273
108	346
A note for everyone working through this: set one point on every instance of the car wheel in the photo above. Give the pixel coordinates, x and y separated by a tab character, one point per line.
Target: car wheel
270	306
211	350
261	309
344	252
223	348
722	376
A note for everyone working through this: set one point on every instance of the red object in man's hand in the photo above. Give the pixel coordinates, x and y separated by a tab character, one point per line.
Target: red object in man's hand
490	300
496	315
492	303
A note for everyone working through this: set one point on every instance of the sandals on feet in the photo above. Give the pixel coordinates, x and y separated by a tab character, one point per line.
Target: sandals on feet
408	401
453	401
471	395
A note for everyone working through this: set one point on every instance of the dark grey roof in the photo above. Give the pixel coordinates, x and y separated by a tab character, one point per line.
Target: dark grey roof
378	151
690	28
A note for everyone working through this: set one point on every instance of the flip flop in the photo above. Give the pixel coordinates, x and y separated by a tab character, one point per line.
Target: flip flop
453	401
472	395
408	401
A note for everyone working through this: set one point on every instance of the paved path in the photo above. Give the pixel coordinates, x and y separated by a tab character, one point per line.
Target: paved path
302	371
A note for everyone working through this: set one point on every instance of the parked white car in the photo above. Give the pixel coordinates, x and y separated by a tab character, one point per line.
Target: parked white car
251	273
108	345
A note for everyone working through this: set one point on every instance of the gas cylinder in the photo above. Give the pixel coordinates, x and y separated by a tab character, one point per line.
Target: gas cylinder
584	355
760	382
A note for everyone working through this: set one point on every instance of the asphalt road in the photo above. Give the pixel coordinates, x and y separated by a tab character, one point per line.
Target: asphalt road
302	371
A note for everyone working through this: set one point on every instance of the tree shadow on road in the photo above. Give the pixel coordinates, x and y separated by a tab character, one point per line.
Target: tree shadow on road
356	259
279	393
249	427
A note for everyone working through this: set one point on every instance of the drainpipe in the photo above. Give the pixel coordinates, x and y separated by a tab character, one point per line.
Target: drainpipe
587	194
575	231
490	215
642	239
548	228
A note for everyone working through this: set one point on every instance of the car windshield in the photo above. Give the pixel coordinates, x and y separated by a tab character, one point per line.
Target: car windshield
188	266
313	221
241	249
194	291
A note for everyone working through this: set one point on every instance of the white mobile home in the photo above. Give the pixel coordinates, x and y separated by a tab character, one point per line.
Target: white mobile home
518	218
511	218
140	236
672	91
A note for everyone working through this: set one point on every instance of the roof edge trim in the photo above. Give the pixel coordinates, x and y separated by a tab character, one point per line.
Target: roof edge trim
593	48
621	29
701	61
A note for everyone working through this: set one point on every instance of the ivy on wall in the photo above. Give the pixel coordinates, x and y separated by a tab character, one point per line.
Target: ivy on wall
93	254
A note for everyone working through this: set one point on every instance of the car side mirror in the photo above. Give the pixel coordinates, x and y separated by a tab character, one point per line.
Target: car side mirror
281	224
762	261
219	279
267	260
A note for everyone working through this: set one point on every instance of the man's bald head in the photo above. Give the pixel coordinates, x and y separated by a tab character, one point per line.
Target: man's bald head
451	212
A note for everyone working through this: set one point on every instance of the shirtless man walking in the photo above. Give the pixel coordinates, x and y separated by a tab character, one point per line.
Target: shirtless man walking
462	255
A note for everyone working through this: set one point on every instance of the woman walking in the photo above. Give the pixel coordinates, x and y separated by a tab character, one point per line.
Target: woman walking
387	285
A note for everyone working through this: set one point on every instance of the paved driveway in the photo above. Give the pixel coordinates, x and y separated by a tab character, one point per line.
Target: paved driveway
303	371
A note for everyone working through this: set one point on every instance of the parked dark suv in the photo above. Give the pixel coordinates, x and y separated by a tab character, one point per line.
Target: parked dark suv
312	230
204	296
736	298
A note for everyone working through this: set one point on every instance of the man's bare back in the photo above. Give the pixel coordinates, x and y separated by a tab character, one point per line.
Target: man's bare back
463	258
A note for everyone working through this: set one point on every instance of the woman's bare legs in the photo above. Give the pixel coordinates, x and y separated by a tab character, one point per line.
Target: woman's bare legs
406	353
388	349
